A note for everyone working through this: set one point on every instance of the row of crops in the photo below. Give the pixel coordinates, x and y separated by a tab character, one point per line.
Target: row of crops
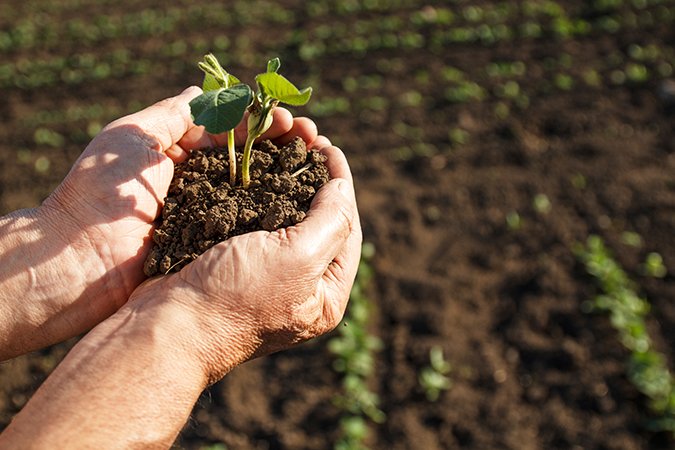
40	53
405	66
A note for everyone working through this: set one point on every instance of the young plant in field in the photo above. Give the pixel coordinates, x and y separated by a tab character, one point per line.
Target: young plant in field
653	266
648	369
273	89
354	349
434	378
222	106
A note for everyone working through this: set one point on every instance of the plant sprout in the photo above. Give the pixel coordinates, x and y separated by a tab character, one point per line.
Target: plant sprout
225	100
216	79
272	90
654	267
434	378
648	368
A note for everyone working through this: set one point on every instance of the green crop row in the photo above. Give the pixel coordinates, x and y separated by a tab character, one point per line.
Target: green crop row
31	73
76	113
436	28
354	349
28	73
485	24
11	12
320	8
647	368
41	31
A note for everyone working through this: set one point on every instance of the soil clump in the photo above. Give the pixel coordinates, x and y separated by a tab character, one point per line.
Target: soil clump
203	209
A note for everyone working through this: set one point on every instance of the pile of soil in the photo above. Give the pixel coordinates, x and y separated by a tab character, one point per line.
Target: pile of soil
203	209
436	183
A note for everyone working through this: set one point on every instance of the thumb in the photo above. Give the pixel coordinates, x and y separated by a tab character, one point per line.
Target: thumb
320	237
165	122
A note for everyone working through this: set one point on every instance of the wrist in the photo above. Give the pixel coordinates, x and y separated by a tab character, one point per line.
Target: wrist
129	383
213	343
54	287
166	332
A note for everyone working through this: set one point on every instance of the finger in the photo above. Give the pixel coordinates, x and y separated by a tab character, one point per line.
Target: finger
337	164
319	238
320	142
165	122
284	128
196	137
176	153
341	272
302	127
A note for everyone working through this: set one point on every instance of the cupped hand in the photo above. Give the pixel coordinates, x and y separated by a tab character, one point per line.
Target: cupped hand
264	291
107	204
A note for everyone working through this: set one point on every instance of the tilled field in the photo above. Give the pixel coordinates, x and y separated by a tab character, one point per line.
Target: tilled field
487	139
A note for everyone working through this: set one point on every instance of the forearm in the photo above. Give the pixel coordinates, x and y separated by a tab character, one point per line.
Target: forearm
45	283
130	383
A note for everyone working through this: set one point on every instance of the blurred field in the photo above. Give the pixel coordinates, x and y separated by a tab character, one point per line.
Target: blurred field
487	140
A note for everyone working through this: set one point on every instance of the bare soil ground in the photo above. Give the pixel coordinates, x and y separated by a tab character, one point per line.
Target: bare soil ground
530	369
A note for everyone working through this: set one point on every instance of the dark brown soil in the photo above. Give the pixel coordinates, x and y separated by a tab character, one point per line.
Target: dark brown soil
203	209
531	370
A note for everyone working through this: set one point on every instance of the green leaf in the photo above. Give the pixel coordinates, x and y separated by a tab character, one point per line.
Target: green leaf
215	72
215	76
222	109
232	80
277	86
210	83
273	65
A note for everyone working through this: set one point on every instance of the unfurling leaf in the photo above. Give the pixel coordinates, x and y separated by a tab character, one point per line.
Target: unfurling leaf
273	65
210	83
232	80
277	86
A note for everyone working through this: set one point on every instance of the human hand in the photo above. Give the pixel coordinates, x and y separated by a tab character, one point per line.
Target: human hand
91	236
261	292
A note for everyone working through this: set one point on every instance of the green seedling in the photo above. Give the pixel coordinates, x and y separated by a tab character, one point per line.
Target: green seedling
631	238
434	378
647	368
514	221
354	348
541	204
653	266
216	81
225	100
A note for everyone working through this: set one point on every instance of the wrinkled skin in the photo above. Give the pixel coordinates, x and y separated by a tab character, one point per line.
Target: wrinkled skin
91	236
71	264
262	292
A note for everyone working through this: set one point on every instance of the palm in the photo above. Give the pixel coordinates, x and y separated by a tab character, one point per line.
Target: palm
113	195
288	285
116	189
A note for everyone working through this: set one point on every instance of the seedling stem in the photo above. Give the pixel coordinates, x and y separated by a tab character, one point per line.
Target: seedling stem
225	99
215	77
259	121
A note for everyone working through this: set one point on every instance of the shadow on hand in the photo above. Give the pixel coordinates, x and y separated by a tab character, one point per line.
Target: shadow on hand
104	208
